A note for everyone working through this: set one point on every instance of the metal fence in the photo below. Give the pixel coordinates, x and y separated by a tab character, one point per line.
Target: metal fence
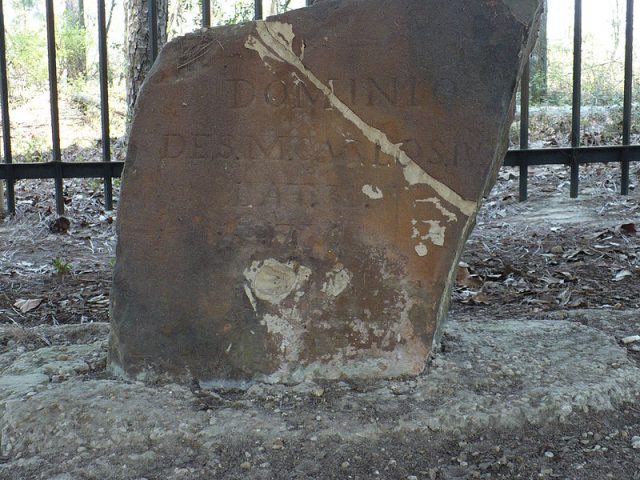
575	155
56	169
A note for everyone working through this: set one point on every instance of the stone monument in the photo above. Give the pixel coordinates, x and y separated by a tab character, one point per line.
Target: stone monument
298	191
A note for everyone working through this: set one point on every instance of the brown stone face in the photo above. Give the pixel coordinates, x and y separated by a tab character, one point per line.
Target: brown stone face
297	191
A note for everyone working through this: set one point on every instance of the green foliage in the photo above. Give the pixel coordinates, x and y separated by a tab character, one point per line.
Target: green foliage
24	4
33	148
241	11
72	48
27	59
282	6
61	267
95	184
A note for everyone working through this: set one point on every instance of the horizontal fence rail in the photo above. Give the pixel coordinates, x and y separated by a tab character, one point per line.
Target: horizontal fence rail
522	158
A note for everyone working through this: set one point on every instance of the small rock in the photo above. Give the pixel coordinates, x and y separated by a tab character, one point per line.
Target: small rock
557	249
548	454
245	466
635	442
60	225
345	464
631	339
412	477
278	444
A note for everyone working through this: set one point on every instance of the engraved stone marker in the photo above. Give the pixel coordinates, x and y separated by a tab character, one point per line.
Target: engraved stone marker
298	191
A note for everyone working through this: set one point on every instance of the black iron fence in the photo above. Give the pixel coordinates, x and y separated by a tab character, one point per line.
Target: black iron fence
523	158
576	155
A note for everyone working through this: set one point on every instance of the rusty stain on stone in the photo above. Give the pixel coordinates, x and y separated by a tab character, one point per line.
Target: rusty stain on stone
298	191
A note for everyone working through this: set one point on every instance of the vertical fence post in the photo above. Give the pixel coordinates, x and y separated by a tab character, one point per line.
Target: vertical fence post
153	29
628	91
53	98
257	9
104	104
577	96
6	128
206	13
524	131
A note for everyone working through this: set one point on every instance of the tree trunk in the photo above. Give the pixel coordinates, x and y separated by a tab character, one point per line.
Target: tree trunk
279	6
74	39
539	63
139	45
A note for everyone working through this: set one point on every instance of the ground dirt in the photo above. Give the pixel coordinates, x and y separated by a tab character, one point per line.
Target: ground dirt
537	375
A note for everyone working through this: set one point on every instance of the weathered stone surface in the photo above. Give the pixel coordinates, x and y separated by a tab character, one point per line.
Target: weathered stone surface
494	375
298	191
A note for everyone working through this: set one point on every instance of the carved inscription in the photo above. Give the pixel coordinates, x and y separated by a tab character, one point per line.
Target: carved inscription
280	147
294	93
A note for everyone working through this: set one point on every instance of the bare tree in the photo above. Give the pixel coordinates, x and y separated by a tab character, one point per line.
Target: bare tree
138	44
539	62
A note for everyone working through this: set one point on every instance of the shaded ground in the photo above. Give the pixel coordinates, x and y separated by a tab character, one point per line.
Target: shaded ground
552	259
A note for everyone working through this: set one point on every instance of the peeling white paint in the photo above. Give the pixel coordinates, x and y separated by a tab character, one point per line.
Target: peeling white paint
451	217
421	249
296	79
276	43
251	298
436	232
285	327
361	328
337	282
374	193
273	281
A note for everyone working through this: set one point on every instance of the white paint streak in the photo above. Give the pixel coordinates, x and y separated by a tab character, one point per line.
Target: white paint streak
296	79
283	326
276	42
274	281
435	234
421	249
337	282
451	217
374	193
251	298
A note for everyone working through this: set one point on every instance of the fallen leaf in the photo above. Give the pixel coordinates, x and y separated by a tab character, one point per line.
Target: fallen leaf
628	228
552	280
480	299
465	279
60	225
26	305
621	275
631	339
506	175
